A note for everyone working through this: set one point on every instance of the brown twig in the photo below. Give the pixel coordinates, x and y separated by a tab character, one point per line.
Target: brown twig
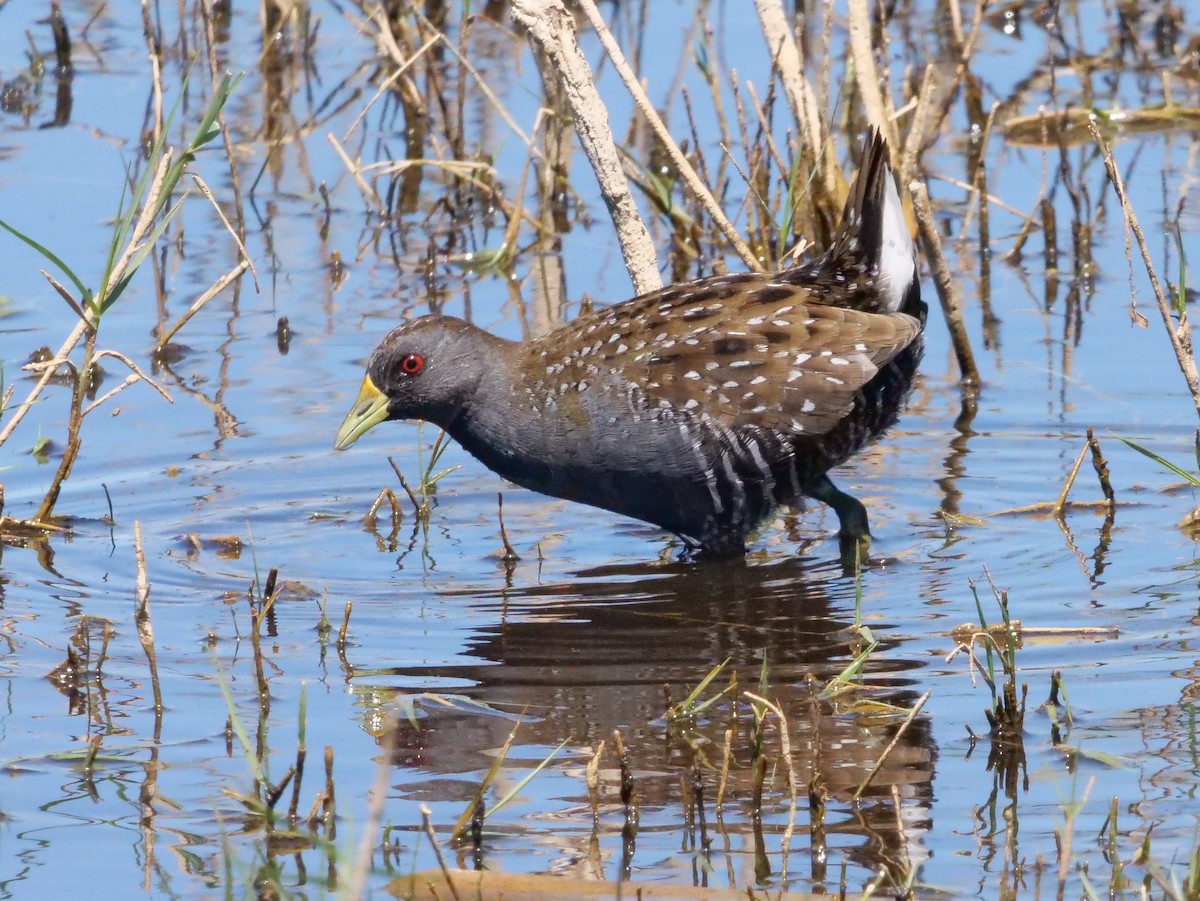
682	164
510	555
552	30
912	715
141	616
1179	333
947	288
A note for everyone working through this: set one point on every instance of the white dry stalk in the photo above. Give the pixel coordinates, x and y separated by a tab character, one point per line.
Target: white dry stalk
216	288
785	751
801	97
146	629
143	226
228	227
355	170
867	74
947	288
552	29
682	164
18	412
1179	334
141	614
356	886
457	168
137	376
912	715
924	120
401	68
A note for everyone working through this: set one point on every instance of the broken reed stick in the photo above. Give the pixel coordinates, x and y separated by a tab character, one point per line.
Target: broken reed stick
141	616
552	31
806	109
868	76
912	715
943	279
682	164
1179	334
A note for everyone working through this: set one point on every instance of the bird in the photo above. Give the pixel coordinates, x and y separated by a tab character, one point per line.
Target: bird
700	407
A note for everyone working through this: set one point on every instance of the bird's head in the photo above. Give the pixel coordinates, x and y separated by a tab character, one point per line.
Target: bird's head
427	368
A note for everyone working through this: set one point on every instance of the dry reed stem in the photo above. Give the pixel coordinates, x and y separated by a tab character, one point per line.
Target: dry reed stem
805	108
682	164
785	753
233	233
947	288
402	67
867	74
509	555
137	371
235	181
355	170
592	779
988	195
912	715
356	882
726	757
341	639
198	304
48	369
153	52
427	828
552	30
372	517
923	124
897	808
1101	467
141	616
1061	503
1179	334
329	808
129	380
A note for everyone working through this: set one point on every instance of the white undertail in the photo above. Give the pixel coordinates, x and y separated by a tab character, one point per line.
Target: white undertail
898	255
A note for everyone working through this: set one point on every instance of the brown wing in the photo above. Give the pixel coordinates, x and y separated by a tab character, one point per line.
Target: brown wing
745	349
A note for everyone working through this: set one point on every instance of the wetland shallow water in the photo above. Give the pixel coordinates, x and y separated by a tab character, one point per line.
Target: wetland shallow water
599	626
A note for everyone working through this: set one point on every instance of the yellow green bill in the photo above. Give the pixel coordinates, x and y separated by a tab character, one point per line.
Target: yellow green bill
370	408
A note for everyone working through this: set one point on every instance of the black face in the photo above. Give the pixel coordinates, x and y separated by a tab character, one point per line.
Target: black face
395	370
398	371
426	368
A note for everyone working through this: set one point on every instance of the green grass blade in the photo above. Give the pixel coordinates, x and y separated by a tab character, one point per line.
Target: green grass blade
236	723
66	270
105	301
1166	464
516	789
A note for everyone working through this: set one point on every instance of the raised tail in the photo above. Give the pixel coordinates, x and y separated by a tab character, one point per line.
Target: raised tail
874	231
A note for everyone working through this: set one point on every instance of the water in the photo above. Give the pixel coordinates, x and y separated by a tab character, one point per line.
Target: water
584	632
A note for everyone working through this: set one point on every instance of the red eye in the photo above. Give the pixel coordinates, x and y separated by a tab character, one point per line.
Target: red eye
412	364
